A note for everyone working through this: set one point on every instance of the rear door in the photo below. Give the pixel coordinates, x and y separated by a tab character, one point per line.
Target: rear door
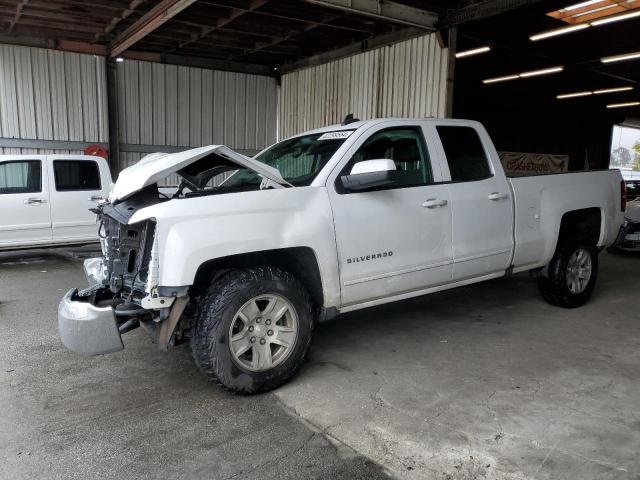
24	201
78	183
481	203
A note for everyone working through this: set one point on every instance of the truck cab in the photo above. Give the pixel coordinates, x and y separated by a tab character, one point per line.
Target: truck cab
45	200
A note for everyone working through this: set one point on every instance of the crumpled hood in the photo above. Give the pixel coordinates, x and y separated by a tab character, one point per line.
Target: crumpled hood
156	166
633	210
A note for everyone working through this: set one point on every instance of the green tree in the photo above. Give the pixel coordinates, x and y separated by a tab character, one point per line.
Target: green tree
636	160
621	157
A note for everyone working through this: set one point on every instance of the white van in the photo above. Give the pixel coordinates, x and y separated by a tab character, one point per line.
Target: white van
45	199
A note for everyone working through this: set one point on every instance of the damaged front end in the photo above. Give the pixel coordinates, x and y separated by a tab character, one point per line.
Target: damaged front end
123	292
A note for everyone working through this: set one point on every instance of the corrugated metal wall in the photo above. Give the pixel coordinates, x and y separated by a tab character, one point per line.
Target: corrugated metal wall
183	106
406	79
51	95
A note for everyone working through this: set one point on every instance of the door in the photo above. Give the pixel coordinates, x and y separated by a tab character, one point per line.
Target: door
482	208
24	202
76	186
395	239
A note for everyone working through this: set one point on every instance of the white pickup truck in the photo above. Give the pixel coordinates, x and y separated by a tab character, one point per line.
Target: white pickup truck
333	220
45	199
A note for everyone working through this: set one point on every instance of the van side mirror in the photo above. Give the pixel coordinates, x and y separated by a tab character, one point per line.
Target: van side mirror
370	174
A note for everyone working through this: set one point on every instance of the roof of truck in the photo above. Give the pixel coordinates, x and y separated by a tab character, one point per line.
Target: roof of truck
373	121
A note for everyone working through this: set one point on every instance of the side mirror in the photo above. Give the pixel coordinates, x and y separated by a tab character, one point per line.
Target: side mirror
369	174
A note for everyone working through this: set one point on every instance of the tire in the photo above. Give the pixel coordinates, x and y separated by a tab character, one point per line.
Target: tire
223	314
555	279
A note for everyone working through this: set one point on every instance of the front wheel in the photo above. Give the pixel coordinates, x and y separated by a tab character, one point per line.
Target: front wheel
570	277
253	329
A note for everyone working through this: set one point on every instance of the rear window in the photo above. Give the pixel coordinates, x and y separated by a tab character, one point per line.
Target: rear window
465	154
74	175
20	176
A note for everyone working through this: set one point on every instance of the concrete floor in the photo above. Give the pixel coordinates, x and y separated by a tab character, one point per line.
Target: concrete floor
486	381
135	414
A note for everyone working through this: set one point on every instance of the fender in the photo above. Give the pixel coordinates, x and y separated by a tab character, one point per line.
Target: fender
194	231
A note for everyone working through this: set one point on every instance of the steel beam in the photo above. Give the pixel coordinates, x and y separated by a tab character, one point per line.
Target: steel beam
482	10
291	18
452	40
265	46
157	16
133	4
47	144
384	10
112	114
235	13
19	10
353	48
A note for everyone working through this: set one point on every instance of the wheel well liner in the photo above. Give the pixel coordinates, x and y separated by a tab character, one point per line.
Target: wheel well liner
299	261
584	224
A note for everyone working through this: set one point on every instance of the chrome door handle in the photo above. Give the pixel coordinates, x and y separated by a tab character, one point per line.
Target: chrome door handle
495	196
34	201
434	203
96	198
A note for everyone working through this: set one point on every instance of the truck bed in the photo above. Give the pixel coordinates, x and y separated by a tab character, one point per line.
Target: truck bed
542	200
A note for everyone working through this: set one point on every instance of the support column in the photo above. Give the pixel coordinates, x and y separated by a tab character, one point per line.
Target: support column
112	112
452	35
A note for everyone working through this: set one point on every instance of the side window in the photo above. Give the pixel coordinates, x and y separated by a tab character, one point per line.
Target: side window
22	176
406	147
465	154
74	175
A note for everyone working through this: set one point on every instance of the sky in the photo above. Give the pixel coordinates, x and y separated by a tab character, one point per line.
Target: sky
624	137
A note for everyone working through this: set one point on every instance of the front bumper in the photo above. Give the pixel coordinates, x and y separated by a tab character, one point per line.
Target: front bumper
86	328
629	237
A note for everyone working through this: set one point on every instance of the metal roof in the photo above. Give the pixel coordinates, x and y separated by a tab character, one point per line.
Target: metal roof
267	33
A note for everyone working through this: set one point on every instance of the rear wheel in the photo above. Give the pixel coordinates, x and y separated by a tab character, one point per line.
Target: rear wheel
253	329
570	277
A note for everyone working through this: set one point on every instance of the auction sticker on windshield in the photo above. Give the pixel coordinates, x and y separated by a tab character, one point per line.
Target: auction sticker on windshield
335	135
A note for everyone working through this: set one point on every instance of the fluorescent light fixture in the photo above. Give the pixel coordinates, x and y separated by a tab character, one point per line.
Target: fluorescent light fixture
119	59
620	105
612	90
558	31
616	18
475	51
544	71
501	79
532	73
595	10
621	58
573	95
579	5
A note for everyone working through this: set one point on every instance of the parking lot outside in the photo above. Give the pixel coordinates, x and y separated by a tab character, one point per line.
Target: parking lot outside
480	382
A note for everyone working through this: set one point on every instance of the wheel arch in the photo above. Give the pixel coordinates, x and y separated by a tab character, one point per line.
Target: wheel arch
301	262
585	225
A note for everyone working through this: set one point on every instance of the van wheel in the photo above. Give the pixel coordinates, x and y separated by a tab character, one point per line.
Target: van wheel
568	280
253	329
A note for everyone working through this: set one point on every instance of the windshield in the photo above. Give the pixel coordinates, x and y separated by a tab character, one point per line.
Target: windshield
298	159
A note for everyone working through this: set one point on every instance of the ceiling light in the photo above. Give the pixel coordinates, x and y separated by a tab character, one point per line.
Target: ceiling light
616	18
621	58
579	5
119	59
475	51
595	10
573	95
544	71
501	79
558	31
620	105
612	90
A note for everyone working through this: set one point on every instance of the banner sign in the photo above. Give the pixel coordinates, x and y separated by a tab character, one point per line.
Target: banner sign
521	164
